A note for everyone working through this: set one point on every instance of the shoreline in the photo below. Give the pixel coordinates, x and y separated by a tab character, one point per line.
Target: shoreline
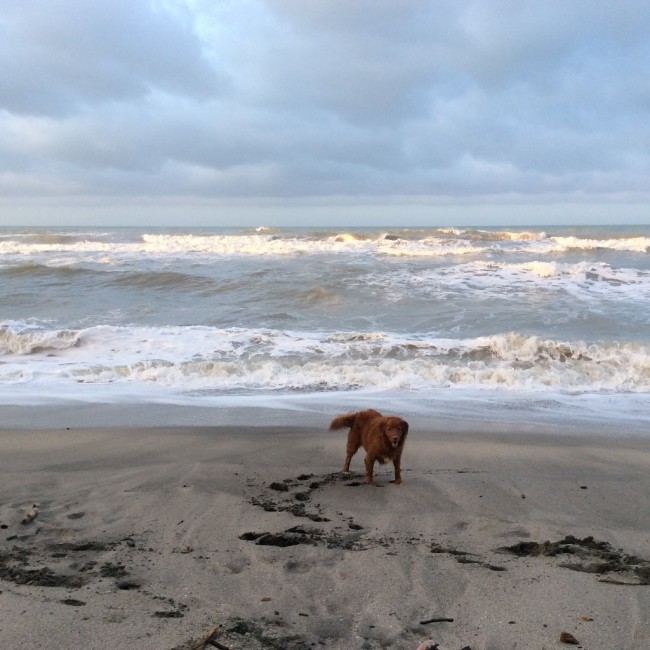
156	535
486	412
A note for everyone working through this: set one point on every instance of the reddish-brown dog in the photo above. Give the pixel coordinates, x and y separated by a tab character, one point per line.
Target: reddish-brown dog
382	437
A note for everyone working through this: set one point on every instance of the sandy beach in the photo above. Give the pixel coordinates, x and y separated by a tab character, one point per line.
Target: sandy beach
155	538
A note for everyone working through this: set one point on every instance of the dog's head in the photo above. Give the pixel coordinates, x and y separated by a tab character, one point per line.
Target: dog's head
395	430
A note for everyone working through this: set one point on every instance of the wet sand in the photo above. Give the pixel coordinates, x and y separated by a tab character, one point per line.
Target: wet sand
154	538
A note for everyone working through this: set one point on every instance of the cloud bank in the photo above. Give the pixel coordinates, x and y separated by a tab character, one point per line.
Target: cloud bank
285	100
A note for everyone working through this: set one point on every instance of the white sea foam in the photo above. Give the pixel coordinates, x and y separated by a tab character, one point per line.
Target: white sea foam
23	339
525	236
210	359
632	244
272	243
584	280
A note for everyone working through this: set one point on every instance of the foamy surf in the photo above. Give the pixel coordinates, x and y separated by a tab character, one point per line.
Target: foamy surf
266	242
234	360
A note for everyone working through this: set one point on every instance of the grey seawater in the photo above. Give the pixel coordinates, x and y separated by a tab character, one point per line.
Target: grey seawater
468	318
81	279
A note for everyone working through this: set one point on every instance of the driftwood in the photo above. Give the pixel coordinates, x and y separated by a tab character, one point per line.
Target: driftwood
437	620
30	516
614	581
209	639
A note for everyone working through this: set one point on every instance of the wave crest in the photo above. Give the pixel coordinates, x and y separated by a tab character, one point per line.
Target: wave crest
204	358
23	339
415	243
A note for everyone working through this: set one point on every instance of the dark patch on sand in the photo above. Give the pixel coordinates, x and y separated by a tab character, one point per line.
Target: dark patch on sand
70	565
279	487
294	495
464	557
260	634
81	547
284	495
300	499
297	509
76	515
111	570
306	535
589	556
15	567
168	614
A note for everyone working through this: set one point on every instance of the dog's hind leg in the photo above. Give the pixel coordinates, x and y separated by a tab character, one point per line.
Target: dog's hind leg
351	449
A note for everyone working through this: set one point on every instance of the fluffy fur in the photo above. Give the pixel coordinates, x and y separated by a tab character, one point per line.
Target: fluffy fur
382	437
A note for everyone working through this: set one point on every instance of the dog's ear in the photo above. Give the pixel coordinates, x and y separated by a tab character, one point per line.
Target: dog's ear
405	427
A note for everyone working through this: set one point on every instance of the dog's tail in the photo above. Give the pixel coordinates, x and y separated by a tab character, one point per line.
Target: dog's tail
343	421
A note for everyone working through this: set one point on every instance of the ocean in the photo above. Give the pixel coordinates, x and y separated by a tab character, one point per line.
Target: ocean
545	325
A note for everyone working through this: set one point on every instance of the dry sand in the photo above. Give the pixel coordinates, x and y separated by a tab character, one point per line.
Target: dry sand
150	538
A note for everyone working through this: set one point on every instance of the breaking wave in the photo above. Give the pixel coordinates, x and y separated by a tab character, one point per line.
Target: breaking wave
211	359
584	280
266	242
23	339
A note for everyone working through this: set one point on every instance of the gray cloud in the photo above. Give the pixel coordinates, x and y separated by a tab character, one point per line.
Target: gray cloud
286	98
67	56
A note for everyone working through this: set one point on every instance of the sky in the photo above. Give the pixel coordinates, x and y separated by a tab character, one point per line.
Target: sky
318	112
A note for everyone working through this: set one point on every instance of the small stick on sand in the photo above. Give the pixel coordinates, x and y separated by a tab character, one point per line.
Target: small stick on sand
30	516
437	620
614	581
208	640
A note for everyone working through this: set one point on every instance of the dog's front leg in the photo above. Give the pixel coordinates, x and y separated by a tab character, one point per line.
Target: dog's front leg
398	473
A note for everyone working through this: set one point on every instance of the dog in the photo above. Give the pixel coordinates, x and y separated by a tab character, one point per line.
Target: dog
382	437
